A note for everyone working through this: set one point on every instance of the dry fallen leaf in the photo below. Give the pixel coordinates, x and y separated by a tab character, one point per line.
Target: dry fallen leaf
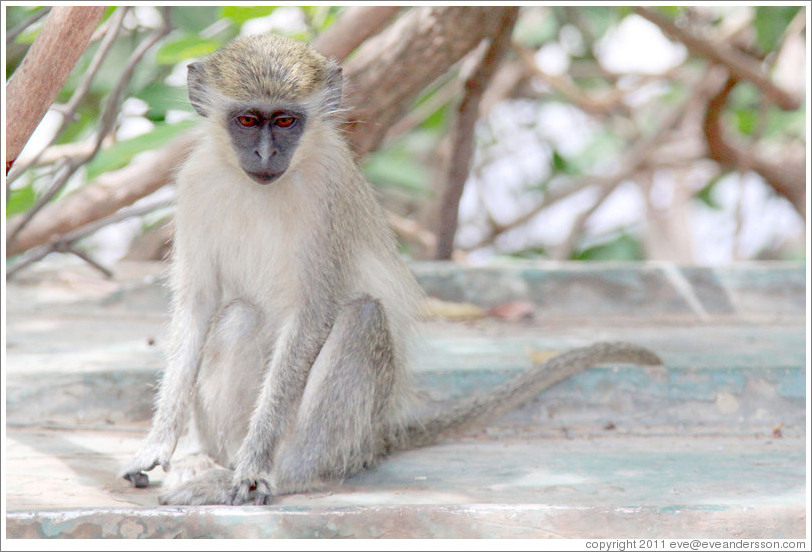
437	308
538	356
513	311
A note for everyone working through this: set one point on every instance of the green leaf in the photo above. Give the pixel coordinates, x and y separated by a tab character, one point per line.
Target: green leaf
770	23
746	121
705	195
21	200
188	47
786	123
599	19
161	98
121	153
623	248
241	14
535	28
670	11
14	15
86	120
745	95
562	165
194	19
603	145
321	17
534	253
28	36
397	169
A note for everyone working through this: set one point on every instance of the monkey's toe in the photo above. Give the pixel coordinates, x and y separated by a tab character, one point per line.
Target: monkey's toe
263	495
240	494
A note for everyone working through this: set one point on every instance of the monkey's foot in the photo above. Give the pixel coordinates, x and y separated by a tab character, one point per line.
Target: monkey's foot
248	491
210	487
188	468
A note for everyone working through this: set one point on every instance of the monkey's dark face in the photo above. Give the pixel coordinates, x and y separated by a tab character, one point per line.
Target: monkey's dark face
265	140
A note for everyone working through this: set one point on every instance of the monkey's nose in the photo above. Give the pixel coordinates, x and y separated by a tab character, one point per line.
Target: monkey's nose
265	154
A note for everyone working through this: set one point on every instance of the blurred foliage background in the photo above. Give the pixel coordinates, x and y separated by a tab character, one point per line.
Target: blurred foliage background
594	138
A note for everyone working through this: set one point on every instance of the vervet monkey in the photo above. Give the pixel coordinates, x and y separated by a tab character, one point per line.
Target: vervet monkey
292	311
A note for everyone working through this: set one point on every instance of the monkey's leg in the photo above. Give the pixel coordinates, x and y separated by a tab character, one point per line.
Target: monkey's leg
226	390
338	426
231	365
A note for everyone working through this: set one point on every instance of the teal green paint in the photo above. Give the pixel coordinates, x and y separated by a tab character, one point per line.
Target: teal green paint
792	383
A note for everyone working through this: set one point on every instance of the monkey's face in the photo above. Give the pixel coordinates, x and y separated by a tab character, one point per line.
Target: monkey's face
265	139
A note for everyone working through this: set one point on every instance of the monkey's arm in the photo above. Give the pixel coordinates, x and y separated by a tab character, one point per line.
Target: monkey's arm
296	349
189	324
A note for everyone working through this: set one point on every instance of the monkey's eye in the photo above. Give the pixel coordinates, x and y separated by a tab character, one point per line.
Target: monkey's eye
247	121
284	122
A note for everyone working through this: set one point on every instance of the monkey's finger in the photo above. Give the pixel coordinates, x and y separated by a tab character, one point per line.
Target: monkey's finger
239	494
263	493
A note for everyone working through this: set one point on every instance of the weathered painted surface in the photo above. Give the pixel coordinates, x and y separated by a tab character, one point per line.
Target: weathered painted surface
476	487
709	445
420	521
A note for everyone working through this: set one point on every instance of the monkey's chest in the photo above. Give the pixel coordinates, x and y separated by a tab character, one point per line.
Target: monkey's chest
258	263
249	237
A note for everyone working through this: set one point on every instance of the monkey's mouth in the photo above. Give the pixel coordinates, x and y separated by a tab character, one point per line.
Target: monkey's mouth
263	177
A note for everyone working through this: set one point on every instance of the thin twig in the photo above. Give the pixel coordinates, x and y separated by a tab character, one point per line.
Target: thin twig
113	103
739	63
106	195
447	92
633	161
66	243
106	126
65	168
12	35
598	107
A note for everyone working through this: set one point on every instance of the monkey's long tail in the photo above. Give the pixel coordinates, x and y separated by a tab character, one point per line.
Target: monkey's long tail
469	412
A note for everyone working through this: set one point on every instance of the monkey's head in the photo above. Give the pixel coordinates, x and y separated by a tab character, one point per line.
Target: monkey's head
265	90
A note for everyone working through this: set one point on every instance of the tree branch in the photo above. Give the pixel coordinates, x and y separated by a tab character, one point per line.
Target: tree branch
110	192
463	136
66	243
108	120
635	159
425	42
68	111
45	68
741	65
353	27
389	70
786	176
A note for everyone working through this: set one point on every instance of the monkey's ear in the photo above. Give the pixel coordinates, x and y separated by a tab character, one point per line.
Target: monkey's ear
196	84
335	87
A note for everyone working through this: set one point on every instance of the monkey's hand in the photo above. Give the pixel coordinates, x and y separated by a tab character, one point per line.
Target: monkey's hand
151	454
251	483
